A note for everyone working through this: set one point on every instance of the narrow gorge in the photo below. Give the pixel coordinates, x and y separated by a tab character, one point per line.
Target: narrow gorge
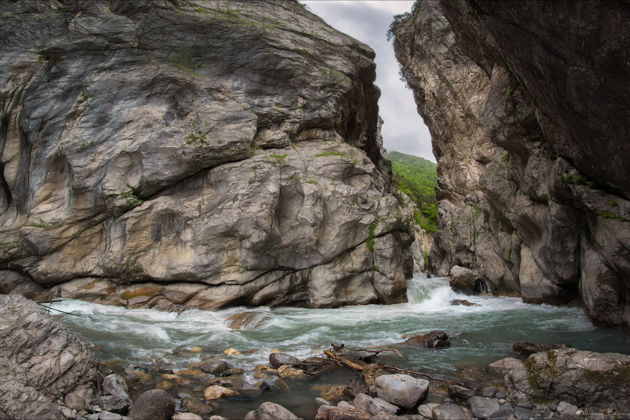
201	218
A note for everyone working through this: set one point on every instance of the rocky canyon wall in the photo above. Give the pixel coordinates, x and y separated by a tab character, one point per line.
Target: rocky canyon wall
527	104
177	154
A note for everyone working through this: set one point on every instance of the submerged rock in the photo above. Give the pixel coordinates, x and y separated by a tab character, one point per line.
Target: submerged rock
462	302
215	392
41	362
175	177
433	340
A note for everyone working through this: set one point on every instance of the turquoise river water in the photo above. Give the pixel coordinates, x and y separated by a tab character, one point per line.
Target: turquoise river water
480	334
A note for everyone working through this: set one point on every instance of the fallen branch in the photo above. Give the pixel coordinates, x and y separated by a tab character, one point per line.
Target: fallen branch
376	352
414	372
59	310
342	361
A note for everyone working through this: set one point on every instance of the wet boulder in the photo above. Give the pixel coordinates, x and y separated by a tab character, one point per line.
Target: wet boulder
433	340
270	411
278	359
401	390
154	404
464	280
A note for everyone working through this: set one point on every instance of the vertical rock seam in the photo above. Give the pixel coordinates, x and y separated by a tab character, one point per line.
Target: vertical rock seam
526	103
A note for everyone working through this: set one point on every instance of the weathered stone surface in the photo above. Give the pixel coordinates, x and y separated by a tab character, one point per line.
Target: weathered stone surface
450	411
41	362
533	195
154	404
271	411
186	416
373	405
483	407
460	392
582	378
173	155
328	412
402	390
278	359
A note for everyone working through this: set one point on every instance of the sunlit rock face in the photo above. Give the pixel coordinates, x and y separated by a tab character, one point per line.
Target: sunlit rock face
527	106
176	155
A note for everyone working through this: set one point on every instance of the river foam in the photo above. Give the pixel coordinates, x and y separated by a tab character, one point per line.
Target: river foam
480	333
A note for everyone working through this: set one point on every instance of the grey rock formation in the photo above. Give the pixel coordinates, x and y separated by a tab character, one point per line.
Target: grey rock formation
174	155
278	359
41	362
402	390
583	378
526	109
154	404
270	411
373	405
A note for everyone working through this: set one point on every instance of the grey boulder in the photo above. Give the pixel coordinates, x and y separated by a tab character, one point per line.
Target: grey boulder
154	404
401	390
483	407
278	359
270	411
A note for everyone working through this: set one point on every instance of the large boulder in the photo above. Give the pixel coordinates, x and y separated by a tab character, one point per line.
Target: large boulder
402	390
41	362
154	404
242	164
533	196
582	378
270	411
278	359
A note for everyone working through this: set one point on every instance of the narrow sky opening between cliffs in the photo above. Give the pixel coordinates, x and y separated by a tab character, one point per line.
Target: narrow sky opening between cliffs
368	21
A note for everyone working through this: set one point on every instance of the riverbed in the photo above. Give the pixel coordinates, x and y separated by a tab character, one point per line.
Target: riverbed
479	334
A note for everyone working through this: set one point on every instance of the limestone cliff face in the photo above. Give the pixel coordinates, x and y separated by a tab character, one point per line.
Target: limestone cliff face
526	102
180	154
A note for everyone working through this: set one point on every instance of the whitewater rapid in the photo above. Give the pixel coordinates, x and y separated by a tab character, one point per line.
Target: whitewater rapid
480	334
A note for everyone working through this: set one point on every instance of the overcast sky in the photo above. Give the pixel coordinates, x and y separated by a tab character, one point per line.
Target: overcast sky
368	21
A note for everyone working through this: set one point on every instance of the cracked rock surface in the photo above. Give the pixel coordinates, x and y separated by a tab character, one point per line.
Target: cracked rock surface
41	362
202	154
527	107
